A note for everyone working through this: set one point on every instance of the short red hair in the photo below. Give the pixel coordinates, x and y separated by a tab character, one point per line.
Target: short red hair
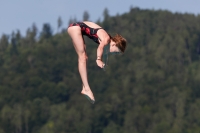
120	42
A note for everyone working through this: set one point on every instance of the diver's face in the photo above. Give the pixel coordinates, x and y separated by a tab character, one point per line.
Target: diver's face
113	48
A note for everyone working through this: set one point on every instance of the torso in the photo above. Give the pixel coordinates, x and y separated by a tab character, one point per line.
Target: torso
89	29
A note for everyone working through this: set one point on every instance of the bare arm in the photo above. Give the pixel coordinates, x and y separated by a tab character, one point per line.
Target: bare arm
100	48
100	51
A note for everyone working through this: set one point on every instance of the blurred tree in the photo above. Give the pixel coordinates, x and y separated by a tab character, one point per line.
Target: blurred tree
14	42
86	16
46	31
72	20
60	23
17	118
4	42
106	22
106	14
31	36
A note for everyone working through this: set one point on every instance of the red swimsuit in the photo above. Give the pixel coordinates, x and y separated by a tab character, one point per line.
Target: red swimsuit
88	31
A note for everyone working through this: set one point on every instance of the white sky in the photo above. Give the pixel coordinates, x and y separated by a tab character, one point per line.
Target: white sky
21	14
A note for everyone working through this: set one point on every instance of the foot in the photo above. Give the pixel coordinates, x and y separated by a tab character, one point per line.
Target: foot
89	95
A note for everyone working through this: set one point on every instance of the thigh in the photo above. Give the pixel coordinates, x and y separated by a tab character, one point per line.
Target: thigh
77	38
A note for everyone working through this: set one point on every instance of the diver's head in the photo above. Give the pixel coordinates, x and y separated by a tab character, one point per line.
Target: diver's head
117	44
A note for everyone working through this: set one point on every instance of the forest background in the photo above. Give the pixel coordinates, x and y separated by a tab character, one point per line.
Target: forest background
152	88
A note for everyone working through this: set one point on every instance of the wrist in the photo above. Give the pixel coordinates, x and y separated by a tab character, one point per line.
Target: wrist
98	58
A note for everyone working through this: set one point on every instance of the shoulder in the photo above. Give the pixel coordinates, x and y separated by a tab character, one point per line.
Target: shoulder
104	33
104	38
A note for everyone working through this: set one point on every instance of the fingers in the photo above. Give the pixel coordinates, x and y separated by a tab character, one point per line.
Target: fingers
100	64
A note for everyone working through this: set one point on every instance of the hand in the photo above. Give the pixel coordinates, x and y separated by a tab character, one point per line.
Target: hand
100	63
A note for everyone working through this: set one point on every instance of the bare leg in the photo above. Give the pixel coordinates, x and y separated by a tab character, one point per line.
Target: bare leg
80	47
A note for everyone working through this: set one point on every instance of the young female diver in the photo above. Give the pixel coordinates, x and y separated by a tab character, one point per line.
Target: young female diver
76	31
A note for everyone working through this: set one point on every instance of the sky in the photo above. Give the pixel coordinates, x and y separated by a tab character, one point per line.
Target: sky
22	14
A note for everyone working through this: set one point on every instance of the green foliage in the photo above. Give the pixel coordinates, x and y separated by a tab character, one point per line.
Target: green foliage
152	88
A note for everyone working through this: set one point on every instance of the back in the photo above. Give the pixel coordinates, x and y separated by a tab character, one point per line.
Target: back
91	24
102	35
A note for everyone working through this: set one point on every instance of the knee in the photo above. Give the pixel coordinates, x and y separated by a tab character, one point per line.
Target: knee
82	57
